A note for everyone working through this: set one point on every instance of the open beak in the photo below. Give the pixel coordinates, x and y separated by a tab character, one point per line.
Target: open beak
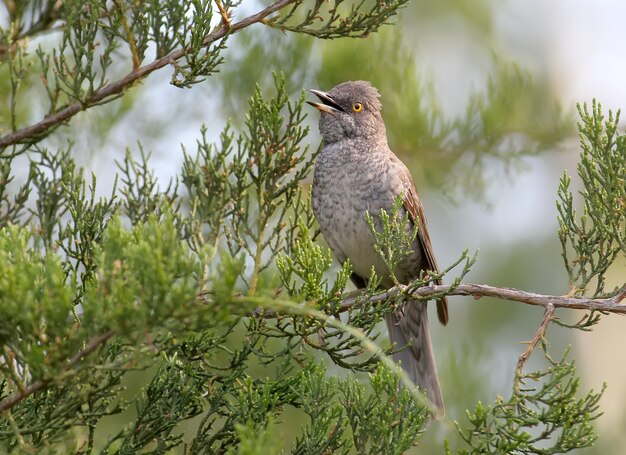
327	103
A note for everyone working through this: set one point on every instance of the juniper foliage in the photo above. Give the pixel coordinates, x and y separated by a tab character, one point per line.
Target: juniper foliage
203	313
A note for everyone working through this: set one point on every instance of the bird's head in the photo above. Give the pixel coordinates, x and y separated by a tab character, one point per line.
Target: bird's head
349	110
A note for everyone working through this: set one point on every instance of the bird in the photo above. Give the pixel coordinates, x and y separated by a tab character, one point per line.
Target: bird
357	173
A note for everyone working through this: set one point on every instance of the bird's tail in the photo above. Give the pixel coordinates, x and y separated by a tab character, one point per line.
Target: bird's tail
418	360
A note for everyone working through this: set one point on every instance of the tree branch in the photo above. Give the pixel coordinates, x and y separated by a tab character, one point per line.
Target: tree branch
36	386
20	136
477	291
482	290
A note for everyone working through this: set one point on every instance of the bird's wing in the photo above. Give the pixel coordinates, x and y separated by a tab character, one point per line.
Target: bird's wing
414	206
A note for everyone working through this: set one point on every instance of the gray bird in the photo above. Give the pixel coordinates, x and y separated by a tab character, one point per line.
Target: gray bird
355	173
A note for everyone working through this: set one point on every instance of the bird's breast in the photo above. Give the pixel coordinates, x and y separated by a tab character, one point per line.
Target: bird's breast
343	192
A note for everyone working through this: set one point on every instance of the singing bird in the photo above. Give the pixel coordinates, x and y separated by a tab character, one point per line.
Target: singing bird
357	173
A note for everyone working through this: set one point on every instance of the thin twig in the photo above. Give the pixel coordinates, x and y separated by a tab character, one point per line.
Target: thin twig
36	386
621	295
117	87
130	37
224	13
539	335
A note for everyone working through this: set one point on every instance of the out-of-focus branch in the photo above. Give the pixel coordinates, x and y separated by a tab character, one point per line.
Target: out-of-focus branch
36	386
43	25
117	87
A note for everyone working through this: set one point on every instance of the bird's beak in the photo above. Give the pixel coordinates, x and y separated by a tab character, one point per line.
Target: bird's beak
327	105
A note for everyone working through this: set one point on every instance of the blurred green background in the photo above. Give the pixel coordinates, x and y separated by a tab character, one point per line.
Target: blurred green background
479	100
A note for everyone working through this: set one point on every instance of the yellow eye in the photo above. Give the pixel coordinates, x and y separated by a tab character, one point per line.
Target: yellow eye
357	107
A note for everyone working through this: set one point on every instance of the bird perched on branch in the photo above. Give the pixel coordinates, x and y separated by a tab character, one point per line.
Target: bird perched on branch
357	173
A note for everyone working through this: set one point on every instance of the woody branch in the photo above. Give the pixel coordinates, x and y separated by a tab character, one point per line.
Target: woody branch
477	291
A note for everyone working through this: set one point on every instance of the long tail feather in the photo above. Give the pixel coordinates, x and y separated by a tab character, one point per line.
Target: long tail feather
418	359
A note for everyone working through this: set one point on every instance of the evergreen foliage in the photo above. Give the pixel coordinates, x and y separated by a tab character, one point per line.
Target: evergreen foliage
204	314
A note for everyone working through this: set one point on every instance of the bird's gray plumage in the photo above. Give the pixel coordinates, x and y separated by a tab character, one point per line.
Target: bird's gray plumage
355	173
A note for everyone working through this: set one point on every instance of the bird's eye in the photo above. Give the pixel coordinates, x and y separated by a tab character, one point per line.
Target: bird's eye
357	107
